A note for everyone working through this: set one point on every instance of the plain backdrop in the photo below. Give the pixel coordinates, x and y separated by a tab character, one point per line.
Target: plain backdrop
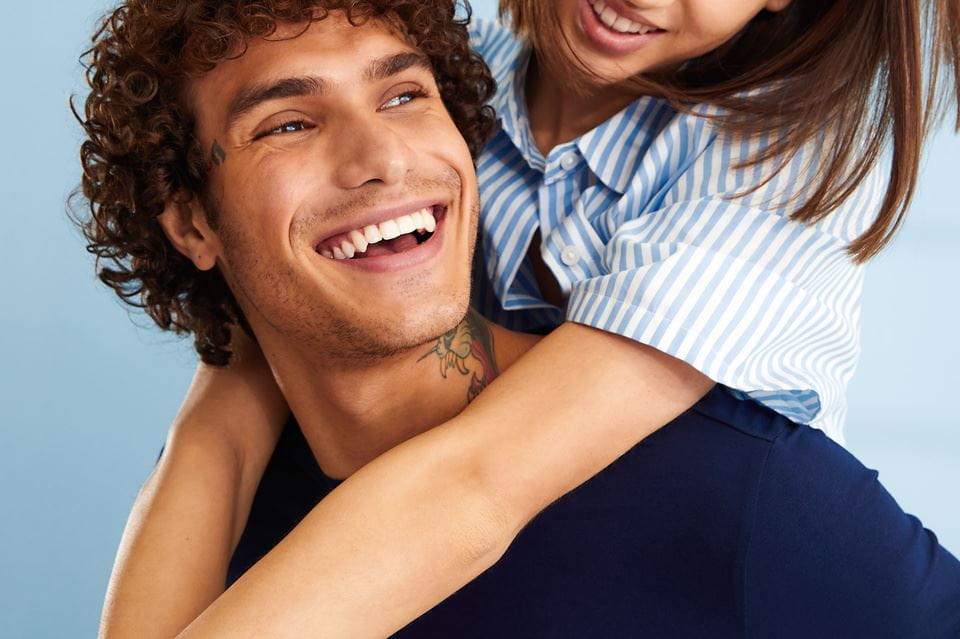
88	390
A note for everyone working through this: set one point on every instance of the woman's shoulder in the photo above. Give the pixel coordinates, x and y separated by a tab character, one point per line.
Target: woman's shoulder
700	160
496	43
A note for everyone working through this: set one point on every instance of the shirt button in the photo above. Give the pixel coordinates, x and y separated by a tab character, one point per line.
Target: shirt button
570	255
568	160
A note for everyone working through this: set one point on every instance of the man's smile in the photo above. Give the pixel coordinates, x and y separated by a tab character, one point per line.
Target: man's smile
390	239
392	235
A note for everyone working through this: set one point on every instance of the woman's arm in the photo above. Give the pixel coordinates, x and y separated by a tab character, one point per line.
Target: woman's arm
414	525
187	519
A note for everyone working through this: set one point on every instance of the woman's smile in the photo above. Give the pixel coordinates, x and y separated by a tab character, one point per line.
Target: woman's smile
611	31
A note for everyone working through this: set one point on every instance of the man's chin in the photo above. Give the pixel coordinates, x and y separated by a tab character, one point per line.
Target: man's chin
413	332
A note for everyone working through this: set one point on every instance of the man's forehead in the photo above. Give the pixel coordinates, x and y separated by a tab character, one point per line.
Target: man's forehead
332	41
321	54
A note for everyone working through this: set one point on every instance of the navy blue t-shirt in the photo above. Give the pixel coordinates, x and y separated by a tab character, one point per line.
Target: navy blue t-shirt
729	522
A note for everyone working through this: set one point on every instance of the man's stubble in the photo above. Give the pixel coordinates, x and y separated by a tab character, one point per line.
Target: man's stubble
347	333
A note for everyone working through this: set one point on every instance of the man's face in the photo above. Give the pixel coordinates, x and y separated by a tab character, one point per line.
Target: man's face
322	143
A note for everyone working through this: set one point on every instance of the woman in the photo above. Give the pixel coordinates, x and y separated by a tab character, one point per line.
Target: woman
629	203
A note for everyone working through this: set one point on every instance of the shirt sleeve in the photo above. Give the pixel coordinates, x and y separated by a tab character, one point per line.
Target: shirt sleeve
732	285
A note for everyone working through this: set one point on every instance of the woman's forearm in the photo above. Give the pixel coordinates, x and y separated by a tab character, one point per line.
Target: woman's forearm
414	525
567	409
393	540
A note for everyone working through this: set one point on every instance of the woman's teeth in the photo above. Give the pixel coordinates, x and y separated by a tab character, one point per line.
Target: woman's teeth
357	241
616	21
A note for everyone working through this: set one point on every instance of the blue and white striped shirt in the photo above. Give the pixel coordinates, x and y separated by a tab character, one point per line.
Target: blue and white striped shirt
640	227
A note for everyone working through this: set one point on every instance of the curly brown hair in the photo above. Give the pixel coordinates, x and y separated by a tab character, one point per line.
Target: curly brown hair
141	149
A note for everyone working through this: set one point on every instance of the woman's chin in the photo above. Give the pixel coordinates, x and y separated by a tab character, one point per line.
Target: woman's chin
587	68
599	77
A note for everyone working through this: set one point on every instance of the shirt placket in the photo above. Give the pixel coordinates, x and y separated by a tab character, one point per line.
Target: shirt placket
558	253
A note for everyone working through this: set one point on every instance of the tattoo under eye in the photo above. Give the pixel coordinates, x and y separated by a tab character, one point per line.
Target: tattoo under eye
217	154
470	341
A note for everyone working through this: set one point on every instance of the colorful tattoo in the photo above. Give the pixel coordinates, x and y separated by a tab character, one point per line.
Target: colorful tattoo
468	349
217	154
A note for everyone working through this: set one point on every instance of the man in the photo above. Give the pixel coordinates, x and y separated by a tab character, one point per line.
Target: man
325	198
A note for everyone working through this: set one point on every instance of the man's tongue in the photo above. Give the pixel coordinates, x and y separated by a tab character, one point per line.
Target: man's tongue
400	244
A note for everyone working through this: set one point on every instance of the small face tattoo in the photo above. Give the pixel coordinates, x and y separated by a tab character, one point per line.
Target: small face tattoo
217	154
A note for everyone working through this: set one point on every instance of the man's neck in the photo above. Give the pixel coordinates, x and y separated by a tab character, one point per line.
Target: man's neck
351	414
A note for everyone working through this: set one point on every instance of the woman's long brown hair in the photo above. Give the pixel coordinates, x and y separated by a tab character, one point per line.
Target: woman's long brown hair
866	73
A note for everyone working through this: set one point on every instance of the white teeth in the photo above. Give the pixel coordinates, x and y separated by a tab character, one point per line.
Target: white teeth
617	22
417	220
608	17
390	229
359	241
406	224
372	234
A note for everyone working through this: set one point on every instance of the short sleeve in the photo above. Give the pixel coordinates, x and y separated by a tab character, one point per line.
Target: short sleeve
832	554
754	300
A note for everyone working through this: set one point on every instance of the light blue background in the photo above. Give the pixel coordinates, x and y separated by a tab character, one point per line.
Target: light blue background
88	392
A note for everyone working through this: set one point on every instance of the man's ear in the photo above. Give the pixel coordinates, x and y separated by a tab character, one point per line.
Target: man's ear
186	227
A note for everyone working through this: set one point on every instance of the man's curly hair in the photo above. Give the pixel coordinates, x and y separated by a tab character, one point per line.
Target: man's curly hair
141	148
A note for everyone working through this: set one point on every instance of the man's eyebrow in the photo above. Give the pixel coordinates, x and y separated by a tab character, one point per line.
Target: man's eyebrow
379	69
389	65
251	97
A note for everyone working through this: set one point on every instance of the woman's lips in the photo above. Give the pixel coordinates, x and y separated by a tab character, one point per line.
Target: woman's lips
615	38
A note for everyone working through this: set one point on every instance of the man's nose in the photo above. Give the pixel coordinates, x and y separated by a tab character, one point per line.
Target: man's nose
368	150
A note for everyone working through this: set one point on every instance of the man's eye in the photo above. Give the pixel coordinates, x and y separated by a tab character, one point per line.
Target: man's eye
403	98
287	127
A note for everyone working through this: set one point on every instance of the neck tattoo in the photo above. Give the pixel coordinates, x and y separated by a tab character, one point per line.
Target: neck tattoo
468	350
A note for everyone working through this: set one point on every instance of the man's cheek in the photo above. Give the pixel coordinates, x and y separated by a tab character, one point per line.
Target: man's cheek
438	127
265	200
448	146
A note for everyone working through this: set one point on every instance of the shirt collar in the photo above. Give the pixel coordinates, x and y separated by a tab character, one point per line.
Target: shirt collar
511	108
613	150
